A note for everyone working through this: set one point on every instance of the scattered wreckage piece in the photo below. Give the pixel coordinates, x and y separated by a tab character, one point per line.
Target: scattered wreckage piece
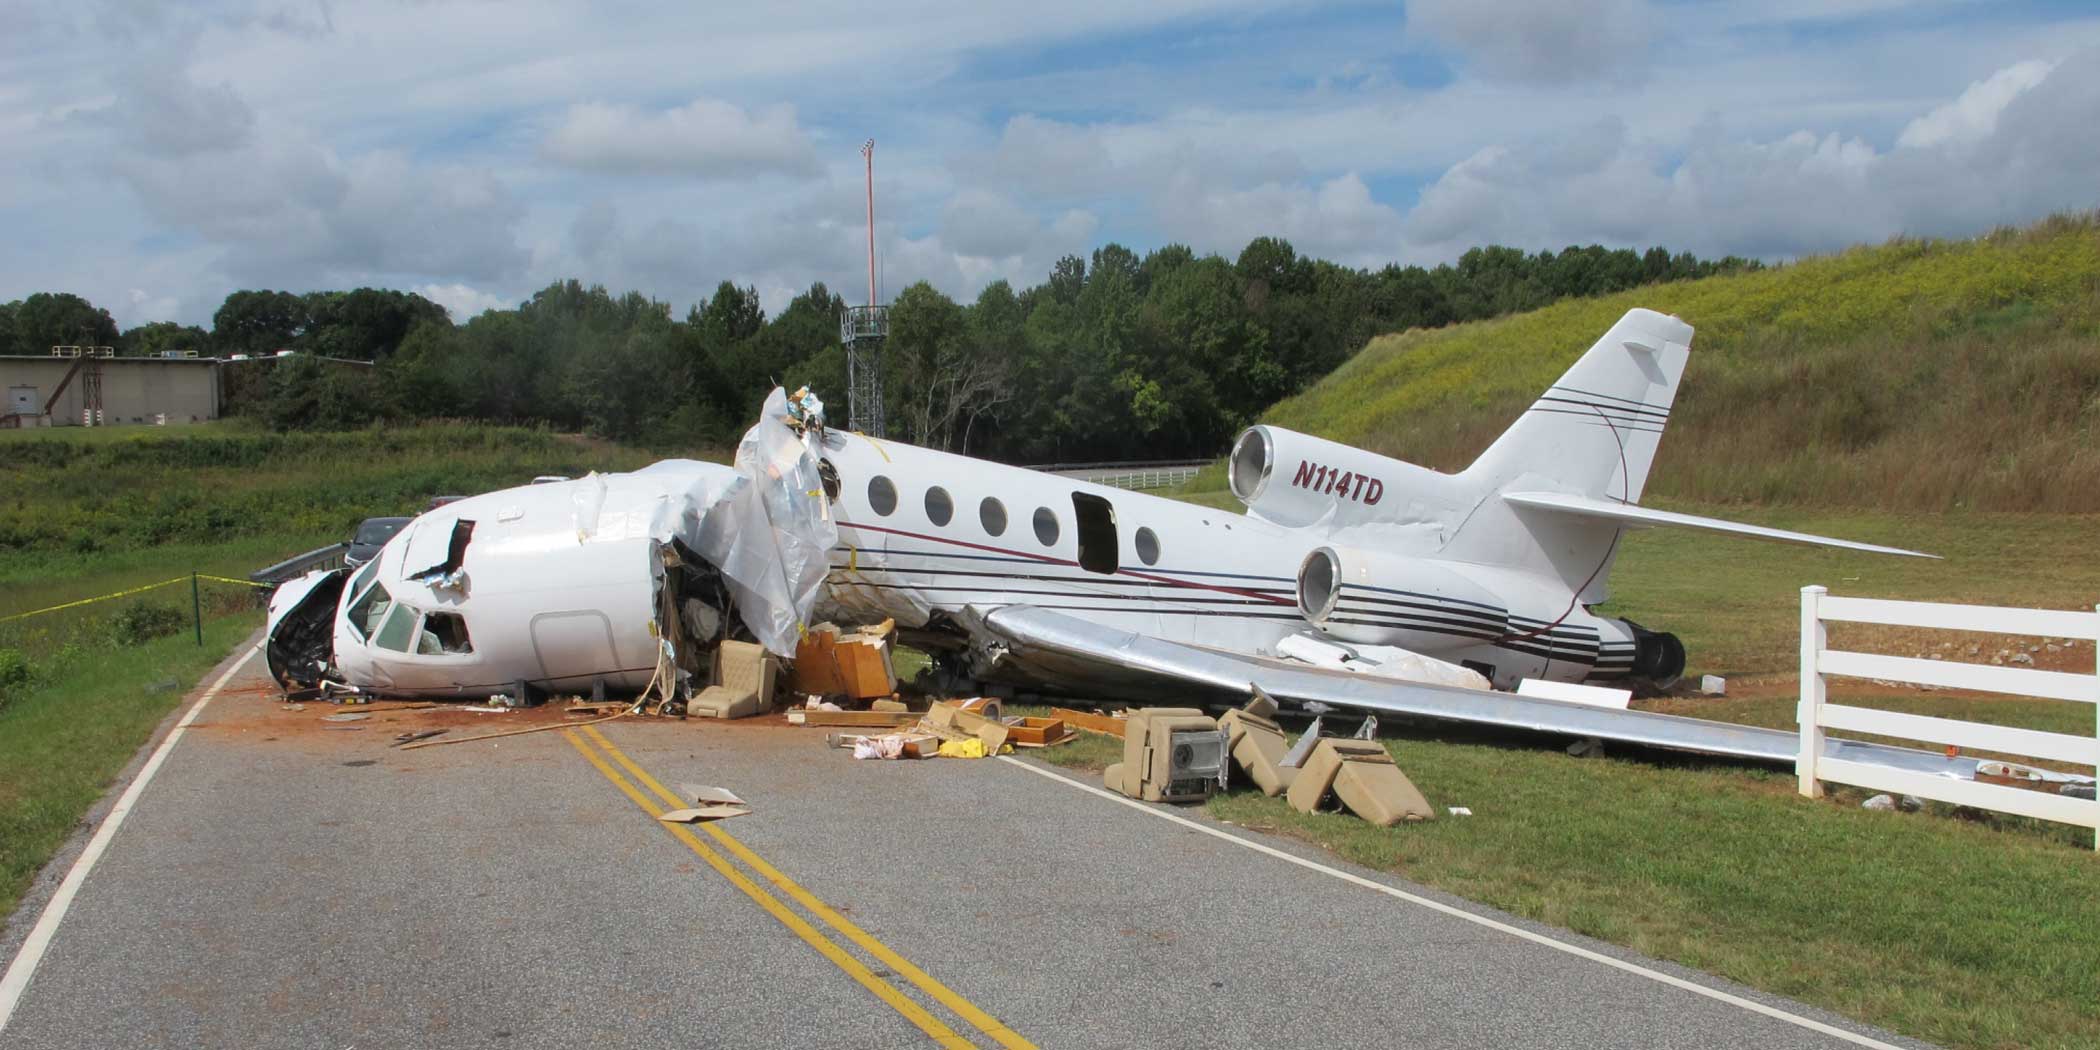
1092	721
1031	731
1170	754
1364	778
907	744
744	676
856	665
850	719
709	803
1258	747
414	744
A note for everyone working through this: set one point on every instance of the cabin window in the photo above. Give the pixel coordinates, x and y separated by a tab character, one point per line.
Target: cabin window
397	630
443	634
992	515
939	508
1046	526
882	495
1095	526
1147	546
369	609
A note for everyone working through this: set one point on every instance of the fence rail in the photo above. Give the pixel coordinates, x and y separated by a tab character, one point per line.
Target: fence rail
329	557
1817	714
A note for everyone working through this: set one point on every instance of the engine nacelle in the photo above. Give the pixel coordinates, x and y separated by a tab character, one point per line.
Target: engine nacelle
1296	479
1376	598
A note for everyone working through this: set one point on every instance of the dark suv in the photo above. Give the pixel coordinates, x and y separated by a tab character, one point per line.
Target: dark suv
371	534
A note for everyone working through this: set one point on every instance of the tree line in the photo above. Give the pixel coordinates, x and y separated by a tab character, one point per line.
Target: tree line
1115	356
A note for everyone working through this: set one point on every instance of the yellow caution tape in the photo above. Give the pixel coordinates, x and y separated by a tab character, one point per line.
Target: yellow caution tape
91	601
124	594
229	579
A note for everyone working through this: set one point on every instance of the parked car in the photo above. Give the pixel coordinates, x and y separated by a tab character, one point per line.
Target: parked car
371	534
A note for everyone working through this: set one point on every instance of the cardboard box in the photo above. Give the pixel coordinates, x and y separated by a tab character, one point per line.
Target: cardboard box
857	665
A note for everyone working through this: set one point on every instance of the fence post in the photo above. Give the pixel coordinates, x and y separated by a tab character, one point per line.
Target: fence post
1809	713
2096	723
196	609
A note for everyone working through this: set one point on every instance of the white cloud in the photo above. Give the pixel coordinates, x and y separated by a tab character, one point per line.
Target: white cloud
1800	193
463	302
1974	115
706	137
1336	219
1542	41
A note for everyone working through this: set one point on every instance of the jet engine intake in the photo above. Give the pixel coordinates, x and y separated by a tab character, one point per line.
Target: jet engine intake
1375	598
1296	479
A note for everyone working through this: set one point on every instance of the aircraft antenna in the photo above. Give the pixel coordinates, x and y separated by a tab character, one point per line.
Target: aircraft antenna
864	330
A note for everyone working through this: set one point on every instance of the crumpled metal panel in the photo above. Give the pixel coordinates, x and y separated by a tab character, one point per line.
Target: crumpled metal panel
1063	650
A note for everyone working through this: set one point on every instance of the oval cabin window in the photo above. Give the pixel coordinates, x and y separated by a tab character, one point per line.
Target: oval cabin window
992	515
1046	526
939	508
882	495
1147	547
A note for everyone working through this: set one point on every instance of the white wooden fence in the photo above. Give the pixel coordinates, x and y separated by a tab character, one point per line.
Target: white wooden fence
1817	714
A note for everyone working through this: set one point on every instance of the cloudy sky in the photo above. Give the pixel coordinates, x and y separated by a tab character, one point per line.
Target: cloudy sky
158	156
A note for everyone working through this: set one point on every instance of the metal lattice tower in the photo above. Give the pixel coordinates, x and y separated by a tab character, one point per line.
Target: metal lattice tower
864	330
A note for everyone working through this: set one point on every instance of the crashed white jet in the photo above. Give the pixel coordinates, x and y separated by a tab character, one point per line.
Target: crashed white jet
619	582
1353	580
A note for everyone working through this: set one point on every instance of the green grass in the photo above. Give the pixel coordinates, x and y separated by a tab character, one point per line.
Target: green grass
1737	603
1920	375
63	742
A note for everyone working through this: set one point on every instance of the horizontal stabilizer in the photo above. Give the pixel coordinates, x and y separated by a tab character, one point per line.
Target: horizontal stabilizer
1641	517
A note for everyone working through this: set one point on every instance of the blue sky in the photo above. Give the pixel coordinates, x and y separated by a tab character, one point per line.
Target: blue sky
160	156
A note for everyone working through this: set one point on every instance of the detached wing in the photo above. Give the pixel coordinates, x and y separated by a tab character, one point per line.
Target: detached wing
1642	517
1065	651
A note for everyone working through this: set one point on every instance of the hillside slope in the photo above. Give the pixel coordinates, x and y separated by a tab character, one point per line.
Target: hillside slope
1919	375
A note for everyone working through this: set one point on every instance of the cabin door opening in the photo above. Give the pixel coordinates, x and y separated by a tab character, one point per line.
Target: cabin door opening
1097	532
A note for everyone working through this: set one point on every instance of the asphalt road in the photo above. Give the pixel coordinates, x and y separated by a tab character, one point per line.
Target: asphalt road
278	884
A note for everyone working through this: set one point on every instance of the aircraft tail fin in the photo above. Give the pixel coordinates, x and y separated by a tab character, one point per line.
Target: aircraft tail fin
1595	431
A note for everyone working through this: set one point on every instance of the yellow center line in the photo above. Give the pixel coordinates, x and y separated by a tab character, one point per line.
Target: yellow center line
940	993
903	1004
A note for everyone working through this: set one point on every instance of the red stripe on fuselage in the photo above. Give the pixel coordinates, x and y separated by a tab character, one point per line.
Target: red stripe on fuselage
1047	559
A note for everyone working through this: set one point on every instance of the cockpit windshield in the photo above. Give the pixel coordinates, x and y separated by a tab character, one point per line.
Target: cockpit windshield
369	608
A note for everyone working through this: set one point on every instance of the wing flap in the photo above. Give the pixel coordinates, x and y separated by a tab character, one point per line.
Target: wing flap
1643	517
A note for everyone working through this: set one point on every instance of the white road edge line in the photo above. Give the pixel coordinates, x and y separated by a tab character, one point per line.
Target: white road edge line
1459	913
16	981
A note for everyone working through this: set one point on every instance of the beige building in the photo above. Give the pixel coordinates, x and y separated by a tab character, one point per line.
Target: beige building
64	391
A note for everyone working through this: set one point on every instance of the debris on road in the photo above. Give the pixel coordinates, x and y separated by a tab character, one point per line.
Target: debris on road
1029	731
709	803
744	674
858	665
1713	685
346	716
887	745
410	738
802	716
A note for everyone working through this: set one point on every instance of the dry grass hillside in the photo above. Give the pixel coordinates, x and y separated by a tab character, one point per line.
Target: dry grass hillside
1914	376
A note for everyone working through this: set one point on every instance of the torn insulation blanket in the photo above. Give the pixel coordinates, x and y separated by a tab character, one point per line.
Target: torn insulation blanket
771	534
